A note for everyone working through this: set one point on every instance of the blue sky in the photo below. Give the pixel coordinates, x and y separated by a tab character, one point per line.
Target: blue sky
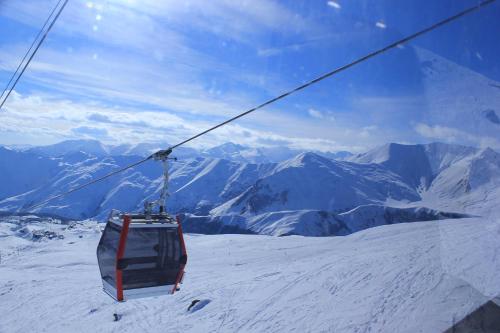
159	71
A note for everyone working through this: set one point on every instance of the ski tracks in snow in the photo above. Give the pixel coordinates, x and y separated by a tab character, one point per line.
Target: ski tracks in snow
401	278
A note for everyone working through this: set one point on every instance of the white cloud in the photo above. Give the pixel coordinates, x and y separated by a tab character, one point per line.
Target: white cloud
328	115
138	54
136	24
368	131
334	4
91	132
269	52
380	25
439	132
44	120
454	135
140	79
315	113
386	110
100	118
176	88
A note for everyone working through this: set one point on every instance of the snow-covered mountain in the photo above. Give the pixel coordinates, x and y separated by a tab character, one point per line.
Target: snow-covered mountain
472	182
240	153
462	103
93	147
314	222
452	177
310	181
21	172
229	151
418	277
307	194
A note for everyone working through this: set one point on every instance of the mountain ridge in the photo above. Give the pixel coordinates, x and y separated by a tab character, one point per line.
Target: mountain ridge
267	197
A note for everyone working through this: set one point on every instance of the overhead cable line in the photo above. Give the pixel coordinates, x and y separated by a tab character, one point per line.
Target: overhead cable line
31	47
343	68
7	91
130	166
164	153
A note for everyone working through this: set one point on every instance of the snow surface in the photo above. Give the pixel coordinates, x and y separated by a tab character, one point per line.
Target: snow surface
228	150
460	99
412	277
380	274
313	222
304	195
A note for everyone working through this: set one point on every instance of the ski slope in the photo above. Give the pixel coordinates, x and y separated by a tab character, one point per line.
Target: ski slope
307	195
410	277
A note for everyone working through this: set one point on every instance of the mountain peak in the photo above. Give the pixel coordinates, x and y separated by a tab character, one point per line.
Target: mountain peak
489	153
382	153
93	147
228	147
409	161
303	160
491	115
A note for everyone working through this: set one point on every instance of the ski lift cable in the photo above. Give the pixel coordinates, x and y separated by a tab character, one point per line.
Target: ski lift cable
30	48
343	68
161	154
91	182
9	91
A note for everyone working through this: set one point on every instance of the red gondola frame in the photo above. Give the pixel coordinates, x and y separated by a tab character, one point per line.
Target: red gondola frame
125	222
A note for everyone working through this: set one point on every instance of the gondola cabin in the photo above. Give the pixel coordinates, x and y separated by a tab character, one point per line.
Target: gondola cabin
141	255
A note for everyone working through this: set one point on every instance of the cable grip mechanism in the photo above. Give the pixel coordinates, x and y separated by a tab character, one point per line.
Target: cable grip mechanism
163	156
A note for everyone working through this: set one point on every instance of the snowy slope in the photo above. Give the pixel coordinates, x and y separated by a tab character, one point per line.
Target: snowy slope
310	181
289	197
408	161
313	222
93	147
417	164
205	183
472	183
457	178
460	99
240	153
419	277
196	185
69	175
21	172
228	151
434	156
